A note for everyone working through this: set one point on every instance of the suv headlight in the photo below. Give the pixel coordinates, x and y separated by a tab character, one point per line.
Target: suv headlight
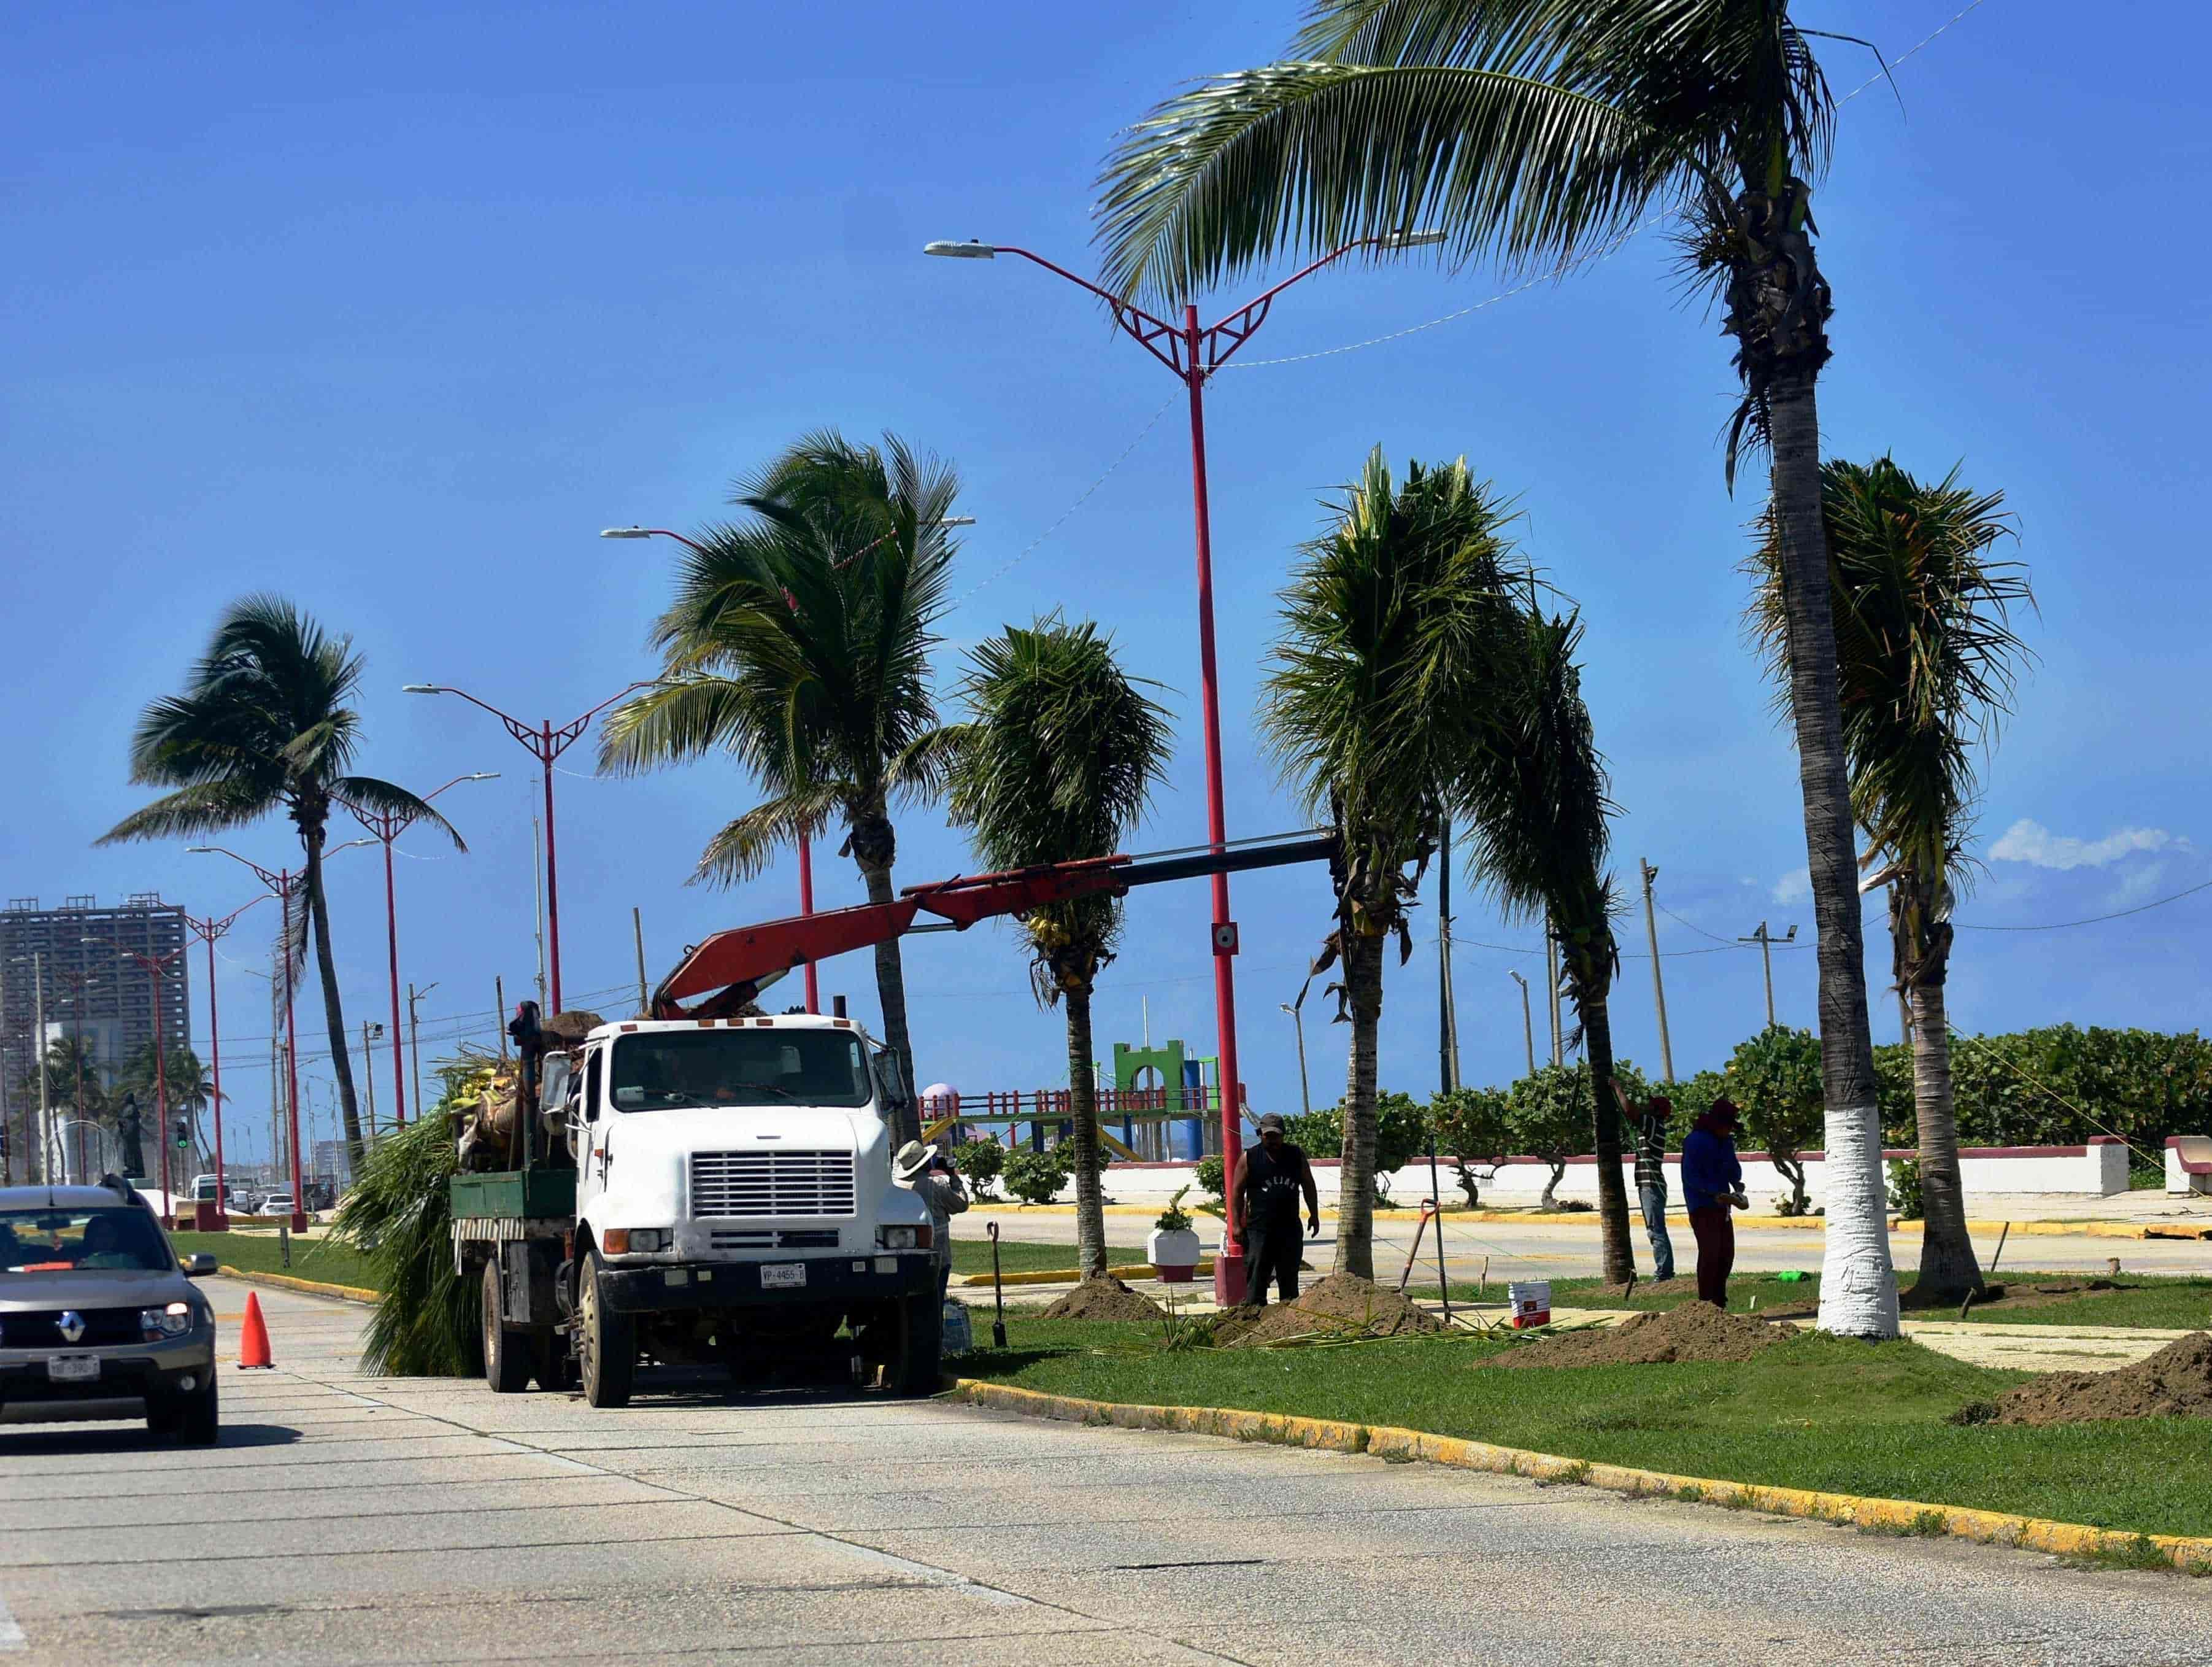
903	1239
174	1321
622	1241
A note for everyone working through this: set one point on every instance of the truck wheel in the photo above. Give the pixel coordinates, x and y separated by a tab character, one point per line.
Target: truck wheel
506	1352
606	1341
915	1371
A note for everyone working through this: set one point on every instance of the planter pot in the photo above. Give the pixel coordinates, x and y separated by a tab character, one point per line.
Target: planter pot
1173	1255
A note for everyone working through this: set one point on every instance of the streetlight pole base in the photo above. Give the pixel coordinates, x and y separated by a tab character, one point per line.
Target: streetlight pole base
1228	1276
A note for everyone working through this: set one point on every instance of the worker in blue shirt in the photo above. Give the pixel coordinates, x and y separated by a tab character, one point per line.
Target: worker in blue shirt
1713	1184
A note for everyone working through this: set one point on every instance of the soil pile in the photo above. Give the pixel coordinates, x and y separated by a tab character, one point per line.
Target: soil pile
1695	1331
1341	1305
1106	1298
2174	1382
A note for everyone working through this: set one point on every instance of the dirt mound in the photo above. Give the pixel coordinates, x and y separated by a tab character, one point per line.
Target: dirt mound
1339	1304
2174	1382
1106	1298
1695	1331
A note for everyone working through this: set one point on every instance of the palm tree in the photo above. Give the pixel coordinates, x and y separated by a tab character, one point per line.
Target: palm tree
1544	131
1390	624
1926	664
799	644
1536	798
190	1091
1056	762
265	720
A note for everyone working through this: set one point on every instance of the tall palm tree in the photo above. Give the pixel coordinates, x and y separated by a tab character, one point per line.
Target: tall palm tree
1391	621
185	1077
1543	131
1927	659
799	643
1536	800
1057	762
266	721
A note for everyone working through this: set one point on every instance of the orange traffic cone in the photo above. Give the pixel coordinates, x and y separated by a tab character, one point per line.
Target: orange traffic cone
253	1337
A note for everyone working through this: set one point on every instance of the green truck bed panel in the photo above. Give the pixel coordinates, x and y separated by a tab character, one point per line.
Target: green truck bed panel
538	1192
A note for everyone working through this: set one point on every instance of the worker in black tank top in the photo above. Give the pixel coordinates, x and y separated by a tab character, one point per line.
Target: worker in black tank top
1270	1181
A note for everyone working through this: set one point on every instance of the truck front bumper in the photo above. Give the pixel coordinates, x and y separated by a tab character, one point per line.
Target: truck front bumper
841	1281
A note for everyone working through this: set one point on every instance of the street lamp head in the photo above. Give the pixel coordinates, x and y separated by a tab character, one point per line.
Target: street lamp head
482	775
1410	240
970	250
422	688
625	533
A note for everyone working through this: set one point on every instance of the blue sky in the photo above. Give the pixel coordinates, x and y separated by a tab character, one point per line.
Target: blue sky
391	310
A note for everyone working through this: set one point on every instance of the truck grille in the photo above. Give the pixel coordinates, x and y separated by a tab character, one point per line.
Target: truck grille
769	1185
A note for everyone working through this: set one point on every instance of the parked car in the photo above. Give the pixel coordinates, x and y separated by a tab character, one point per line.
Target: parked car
98	1317
276	1203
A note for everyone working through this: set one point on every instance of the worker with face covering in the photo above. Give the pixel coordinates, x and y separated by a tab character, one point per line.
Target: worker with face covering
926	1172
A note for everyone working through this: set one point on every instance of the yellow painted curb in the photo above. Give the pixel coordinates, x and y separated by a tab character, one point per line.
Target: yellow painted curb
1283	1429
1071	1275
313	1288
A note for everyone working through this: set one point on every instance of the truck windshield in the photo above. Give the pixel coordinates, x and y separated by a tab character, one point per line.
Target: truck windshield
717	1068
50	1241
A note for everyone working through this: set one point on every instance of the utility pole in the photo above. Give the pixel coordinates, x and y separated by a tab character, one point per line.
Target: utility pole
370	1031
1305	1095
538	914
1766	942
1658	984
38	1054
1447	1003
499	1015
1552	979
7	1127
415	1037
1528	1024
644	1000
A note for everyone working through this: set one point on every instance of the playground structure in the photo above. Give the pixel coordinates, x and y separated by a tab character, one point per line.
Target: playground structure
1174	1117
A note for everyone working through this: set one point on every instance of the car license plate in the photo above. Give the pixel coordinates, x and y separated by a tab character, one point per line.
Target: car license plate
72	1368
782	1275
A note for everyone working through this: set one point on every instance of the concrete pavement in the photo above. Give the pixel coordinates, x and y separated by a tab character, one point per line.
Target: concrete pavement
347	1520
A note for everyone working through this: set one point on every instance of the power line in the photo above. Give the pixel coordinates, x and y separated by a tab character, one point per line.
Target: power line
2118	914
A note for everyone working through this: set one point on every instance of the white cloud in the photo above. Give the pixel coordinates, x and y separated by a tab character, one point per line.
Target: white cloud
1793	888
2030	842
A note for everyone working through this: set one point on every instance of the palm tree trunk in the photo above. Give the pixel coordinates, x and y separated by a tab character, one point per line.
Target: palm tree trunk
1948	1267
890	996
1083	1096
1596	1019
1858	1284
1355	1201
318	911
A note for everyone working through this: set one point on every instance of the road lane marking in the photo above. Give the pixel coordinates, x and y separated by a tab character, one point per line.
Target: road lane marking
11	1632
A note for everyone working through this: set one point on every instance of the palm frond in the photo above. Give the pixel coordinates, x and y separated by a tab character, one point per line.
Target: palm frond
741	849
206	807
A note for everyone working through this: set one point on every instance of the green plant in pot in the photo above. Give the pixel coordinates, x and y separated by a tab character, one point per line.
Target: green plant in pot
1173	1248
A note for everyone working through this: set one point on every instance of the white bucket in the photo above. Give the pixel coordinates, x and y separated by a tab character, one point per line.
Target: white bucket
1531	1303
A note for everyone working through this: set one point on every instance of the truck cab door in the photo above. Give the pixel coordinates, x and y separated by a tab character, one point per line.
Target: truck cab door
589	1127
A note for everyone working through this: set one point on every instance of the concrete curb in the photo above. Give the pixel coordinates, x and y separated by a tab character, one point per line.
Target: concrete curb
313	1288
1073	1276
1283	1429
2134	1229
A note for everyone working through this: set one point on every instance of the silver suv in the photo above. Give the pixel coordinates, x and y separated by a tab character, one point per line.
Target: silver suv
98	1317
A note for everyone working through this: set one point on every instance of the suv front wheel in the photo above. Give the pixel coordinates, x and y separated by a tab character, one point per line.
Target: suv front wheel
193	1417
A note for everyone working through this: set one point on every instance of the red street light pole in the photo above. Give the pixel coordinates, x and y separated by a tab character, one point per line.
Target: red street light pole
386	826
546	744
158	967
282	883
207	931
1193	355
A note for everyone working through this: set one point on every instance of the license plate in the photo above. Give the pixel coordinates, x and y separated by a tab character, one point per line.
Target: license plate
72	1368
782	1275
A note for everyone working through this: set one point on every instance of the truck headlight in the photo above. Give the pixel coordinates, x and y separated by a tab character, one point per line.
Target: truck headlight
174	1321
620	1241
903	1239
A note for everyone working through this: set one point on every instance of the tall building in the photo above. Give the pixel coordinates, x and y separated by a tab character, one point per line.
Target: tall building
91	988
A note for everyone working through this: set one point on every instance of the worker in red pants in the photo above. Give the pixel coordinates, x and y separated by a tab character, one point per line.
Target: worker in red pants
1713	1184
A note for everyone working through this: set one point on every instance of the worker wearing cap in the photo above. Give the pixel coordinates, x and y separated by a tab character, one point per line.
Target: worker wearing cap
926	1172
1650	1121
1712	1184
1265	1212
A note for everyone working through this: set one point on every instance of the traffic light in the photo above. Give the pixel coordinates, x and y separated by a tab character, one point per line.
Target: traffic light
184	1132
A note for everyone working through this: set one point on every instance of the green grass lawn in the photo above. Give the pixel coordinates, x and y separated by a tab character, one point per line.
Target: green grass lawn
1813	1412
2174	1303
323	1259
971	1254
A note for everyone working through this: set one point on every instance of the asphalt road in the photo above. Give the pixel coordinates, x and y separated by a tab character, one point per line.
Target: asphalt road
346	1519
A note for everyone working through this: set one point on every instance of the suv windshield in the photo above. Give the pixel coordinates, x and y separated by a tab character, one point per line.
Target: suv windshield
719	1067
54	1241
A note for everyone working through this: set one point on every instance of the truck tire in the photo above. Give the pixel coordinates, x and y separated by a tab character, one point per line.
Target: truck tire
507	1351
606	1341
550	1362
915	1371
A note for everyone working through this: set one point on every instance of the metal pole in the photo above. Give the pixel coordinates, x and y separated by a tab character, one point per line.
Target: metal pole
215	1051
1552	978
1229	1265
368	1078
414	1042
1298	1022
498	1024
548	752
6	1128
1447	1040
538	904
38	1054
391	947
1658	984
645	1000
292	1070
162	1092
806	907
1528	1024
